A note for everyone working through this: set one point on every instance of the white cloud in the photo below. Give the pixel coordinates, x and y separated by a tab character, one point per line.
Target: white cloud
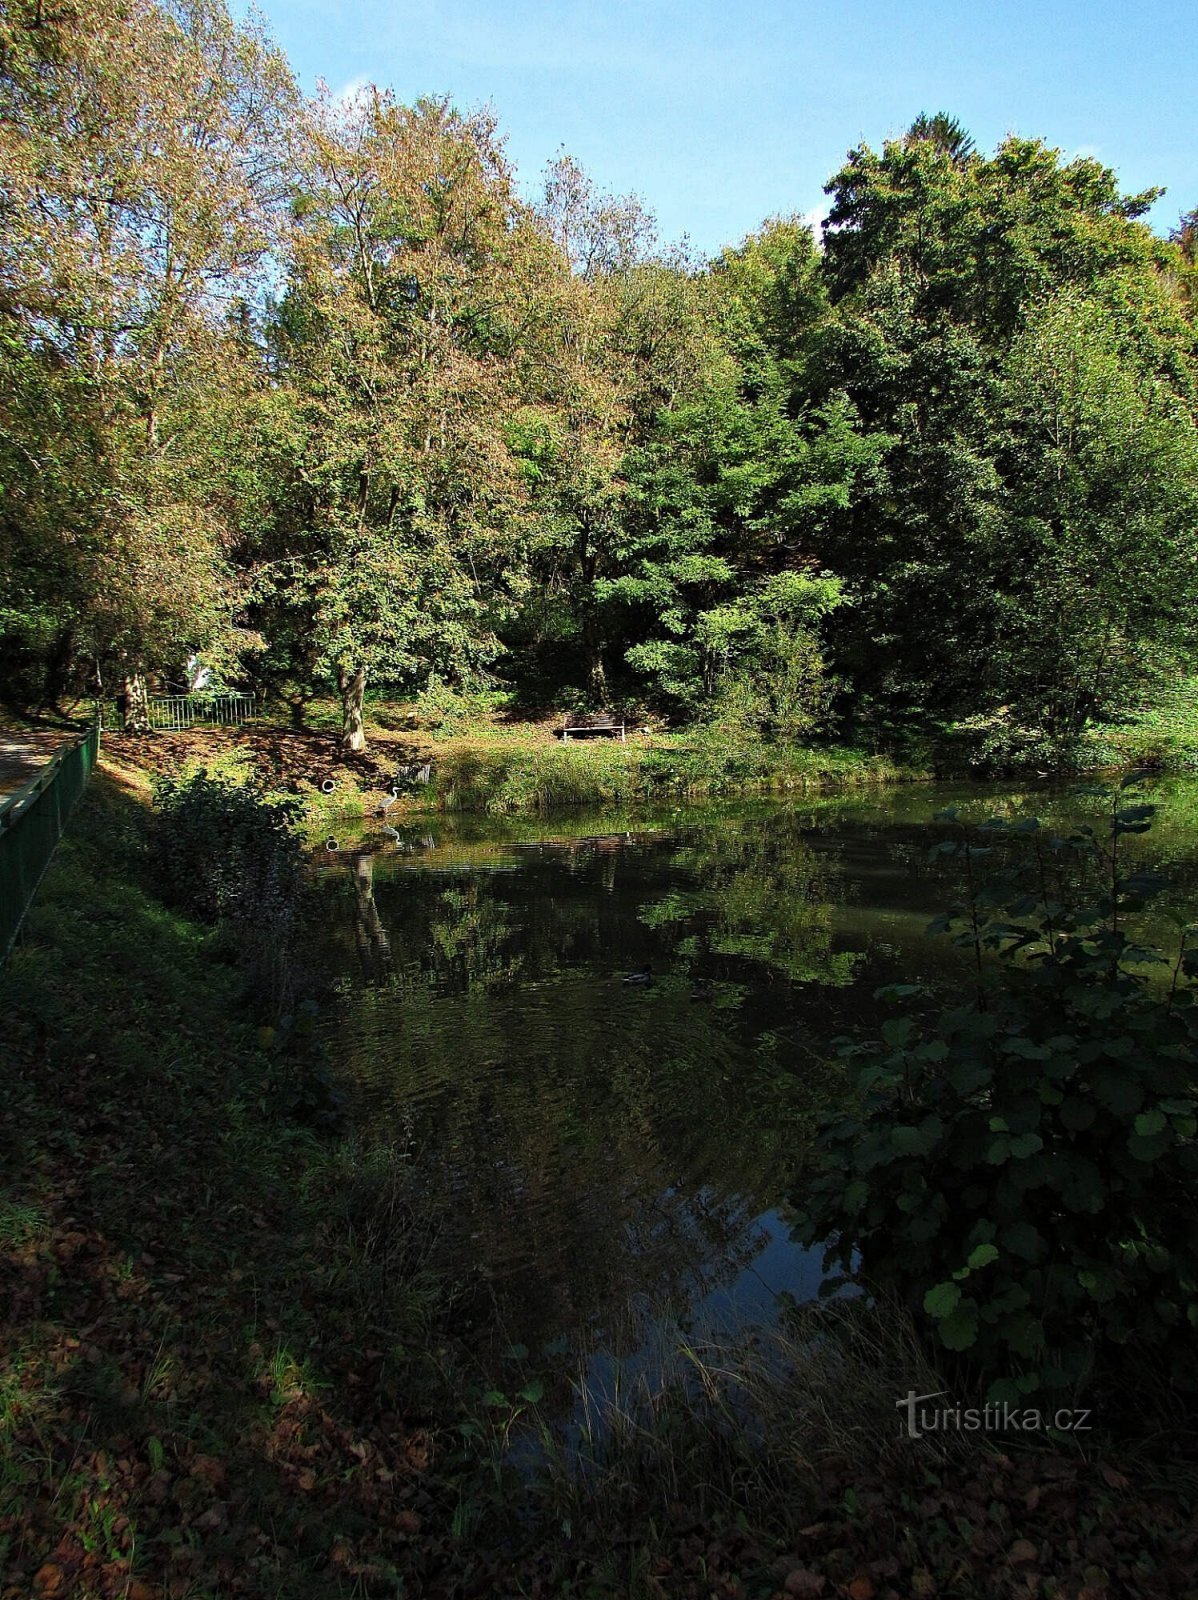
352	94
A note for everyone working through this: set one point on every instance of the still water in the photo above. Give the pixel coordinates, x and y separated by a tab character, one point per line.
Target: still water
603	1144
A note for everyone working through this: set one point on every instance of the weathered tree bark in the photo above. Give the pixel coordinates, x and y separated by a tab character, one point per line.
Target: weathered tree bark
352	686
137	704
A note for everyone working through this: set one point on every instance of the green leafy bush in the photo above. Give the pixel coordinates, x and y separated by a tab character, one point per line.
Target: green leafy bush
227	854
1022	1167
997	742
446	710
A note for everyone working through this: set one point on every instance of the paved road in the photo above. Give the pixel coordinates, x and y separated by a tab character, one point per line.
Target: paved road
24	750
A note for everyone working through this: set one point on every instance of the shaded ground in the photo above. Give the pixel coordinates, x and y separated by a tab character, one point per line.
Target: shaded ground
302	761
195	1397
302	758
286	759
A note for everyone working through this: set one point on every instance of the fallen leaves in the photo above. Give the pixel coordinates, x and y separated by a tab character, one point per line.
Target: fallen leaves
804	1584
49	1580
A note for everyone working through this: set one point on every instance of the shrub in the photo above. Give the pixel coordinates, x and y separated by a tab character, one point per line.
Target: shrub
446	710
784	693
1022	1167
226	854
997	742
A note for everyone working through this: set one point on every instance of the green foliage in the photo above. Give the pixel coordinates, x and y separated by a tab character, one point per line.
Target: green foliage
445	709
734	488
227	854
509	779
1099	591
1022	1168
118	345
224	851
998	742
1161	732
363	418
1013	330
398	526
772	682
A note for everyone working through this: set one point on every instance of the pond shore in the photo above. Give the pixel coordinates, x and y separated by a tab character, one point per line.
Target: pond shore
214	1383
501	763
500	769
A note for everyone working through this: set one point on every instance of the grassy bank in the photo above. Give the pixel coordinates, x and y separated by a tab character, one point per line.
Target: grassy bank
537	778
491	763
1161	735
216	1378
483	757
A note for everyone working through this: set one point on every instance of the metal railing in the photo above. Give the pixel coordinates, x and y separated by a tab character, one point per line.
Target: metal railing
31	824
175	712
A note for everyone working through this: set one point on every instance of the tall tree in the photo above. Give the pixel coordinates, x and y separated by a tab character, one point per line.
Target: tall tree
731	486
415	273
140	145
626	343
1101	526
937	260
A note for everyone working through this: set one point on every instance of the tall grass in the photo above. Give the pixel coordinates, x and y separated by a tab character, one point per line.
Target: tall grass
1163	734
739	1440
541	778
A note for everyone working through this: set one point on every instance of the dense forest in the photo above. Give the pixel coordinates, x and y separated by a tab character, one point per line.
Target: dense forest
310	390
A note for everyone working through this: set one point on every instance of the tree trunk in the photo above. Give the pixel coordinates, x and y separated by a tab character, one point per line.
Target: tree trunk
596	671
352	686
136	704
374	946
58	669
592	638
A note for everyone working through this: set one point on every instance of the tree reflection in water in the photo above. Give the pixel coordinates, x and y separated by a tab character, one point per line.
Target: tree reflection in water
596	1142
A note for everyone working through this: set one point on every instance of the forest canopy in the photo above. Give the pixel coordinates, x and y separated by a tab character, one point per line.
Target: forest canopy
311	390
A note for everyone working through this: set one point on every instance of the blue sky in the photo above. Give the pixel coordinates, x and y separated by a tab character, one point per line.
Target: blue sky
719	120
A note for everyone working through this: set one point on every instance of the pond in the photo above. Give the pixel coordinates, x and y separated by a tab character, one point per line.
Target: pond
604	1144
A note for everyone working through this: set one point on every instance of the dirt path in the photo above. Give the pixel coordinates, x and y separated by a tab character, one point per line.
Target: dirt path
24	750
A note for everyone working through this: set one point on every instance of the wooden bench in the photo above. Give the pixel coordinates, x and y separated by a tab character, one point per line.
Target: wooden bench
596	725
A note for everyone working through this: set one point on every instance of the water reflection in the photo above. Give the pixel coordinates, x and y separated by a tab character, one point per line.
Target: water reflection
600	1142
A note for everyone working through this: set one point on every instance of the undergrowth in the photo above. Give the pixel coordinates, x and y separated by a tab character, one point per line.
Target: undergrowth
542	777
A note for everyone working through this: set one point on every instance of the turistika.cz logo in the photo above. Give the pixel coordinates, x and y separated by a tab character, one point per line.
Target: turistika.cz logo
995	1417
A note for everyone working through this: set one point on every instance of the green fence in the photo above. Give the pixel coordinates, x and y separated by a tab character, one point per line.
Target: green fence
31	824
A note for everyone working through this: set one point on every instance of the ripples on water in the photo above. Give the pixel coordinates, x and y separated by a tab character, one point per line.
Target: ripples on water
599	1143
